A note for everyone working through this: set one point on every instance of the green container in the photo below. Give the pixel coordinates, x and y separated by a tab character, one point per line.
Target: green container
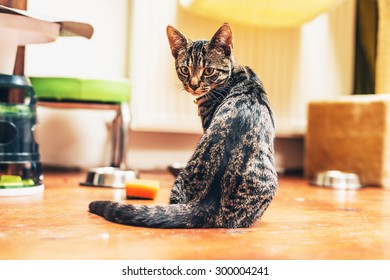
19	152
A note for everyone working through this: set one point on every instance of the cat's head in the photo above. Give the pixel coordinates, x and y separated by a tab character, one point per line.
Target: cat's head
202	65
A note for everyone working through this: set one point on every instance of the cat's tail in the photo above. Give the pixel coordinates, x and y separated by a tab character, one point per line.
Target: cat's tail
156	216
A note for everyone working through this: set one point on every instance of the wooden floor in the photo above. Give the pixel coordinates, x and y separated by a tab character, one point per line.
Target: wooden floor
303	222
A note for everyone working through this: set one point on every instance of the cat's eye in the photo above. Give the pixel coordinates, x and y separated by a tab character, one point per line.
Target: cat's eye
184	70
208	71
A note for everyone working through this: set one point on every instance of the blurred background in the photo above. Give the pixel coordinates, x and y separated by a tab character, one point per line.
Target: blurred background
301	52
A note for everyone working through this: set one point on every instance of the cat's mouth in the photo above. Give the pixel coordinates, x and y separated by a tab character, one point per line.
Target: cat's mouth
197	95
199	92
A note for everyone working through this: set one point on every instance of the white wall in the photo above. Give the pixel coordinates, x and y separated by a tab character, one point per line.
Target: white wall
103	56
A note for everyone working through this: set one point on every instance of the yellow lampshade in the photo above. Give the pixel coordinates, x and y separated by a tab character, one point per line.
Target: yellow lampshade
265	13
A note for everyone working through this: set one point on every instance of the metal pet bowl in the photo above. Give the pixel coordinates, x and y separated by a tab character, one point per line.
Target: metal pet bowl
337	180
109	177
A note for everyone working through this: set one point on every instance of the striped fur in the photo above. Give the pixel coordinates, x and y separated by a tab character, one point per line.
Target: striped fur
230	179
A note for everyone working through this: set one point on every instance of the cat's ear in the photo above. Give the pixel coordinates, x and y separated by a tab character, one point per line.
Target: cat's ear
177	41
223	39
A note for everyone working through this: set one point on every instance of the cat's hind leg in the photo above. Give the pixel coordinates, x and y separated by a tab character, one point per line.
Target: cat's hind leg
245	214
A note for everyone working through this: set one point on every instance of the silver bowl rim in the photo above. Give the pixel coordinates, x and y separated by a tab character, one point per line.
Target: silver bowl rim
110	177
337	179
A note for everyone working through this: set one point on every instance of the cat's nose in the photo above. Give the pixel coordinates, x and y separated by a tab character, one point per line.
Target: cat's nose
194	83
194	87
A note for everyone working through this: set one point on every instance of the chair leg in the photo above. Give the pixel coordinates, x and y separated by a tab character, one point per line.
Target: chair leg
120	136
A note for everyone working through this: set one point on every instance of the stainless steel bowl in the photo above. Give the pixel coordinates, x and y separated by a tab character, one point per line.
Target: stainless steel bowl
337	180
110	177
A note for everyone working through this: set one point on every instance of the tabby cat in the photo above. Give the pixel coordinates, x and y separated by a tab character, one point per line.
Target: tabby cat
230	179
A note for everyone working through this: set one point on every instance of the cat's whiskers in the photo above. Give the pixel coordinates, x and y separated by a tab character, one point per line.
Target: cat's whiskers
211	96
219	93
175	86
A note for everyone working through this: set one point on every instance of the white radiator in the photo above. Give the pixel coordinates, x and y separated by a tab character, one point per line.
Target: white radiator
296	65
